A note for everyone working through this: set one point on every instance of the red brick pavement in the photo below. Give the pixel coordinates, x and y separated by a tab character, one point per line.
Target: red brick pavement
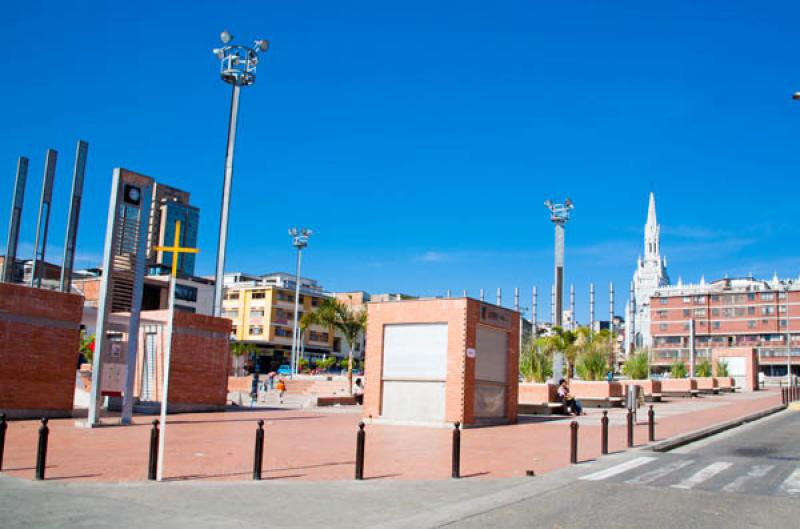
321	445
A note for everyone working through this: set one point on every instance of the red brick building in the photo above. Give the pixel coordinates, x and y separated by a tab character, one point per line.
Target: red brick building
728	313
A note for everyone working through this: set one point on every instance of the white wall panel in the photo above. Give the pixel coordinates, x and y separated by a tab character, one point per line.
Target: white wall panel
417	350
413	401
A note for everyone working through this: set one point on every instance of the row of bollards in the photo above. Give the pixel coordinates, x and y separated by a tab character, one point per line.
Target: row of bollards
573	434
790	394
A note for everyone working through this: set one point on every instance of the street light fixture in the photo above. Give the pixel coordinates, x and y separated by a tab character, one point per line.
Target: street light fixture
237	68
299	240
559	215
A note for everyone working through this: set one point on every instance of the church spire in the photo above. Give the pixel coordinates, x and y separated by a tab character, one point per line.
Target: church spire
652	235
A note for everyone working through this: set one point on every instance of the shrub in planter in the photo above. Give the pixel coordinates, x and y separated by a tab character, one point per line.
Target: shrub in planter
592	366
677	370
535	364
722	368
638	366
703	369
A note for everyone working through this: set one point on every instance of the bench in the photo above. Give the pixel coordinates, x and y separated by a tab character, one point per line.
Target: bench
544	408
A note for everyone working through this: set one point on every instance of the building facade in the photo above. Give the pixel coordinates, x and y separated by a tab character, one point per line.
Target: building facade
650	274
261	309
170	205
725	314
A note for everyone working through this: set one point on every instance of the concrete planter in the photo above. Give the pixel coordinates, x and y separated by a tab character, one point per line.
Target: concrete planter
679	387
707	384
726	383
537	393
583	389
649	387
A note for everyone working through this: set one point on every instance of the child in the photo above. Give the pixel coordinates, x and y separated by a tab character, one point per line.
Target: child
281	387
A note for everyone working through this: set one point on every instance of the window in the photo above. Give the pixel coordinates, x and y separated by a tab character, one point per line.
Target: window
662	313
766	311
258	294
715	312
685	326
184	308
232	294
283	296
234	329
739	311
767	296
782	324
282	331
231	313
751	311
256	313
739	298
782	309
699	299
715	324
314	302
687	299
185	293
727	312
751	296
700	313
781	295
687	313
663	301
255	330
715	297
662	327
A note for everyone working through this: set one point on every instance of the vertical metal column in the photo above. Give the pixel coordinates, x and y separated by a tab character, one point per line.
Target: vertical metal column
572	307
13	223
553	305
591	306
516	299
632	323
136	308
559	275
447	294
70	240
482	296
691	348
534	309
499	297
44	218
226	203
612	358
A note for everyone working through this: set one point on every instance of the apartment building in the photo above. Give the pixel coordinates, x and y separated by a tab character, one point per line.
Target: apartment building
262	311
728	313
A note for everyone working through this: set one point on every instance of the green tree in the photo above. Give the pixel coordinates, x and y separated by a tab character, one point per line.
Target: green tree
592	365
536	361
242	349
637	366
722	368
350	323
86	346
677	369
703	368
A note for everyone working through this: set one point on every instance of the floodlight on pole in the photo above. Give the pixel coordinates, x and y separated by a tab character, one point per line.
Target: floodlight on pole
796	96
559	215
300	241
238	69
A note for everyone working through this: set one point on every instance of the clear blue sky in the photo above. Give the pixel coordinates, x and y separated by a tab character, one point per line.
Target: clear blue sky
419	140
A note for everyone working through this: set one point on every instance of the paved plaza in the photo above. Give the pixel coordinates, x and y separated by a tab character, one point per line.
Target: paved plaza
319	444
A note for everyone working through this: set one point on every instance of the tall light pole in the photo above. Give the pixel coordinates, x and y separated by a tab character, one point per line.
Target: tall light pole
559	215
299	240
788	341
238	69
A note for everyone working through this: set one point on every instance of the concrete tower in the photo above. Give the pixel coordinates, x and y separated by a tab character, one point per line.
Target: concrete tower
651	273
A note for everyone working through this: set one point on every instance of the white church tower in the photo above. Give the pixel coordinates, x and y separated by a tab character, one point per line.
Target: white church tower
651	273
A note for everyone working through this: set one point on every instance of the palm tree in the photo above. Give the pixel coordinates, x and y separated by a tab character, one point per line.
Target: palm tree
239	349
339	316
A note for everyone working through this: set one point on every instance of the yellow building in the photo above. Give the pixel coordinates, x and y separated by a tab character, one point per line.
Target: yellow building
262	311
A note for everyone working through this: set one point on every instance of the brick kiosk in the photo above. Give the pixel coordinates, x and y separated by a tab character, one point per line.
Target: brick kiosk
438	361
39	340
199	361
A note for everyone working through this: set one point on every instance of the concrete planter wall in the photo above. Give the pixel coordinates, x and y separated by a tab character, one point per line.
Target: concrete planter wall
537	393
583	389
648	386
707	383
678	384
726	383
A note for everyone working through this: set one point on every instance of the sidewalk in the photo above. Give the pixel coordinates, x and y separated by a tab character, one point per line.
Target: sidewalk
318	445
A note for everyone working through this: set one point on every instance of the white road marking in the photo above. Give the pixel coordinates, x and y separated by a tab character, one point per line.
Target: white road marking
757	471
702	475
649	477
618	469
792	483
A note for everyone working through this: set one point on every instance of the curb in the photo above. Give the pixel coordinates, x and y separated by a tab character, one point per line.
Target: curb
684	439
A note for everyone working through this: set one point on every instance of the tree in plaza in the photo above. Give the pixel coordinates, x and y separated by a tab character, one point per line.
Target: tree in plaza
637	367
350	323
86	347
240	349
535	360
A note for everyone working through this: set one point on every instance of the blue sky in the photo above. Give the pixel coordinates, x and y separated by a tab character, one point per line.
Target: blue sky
419	141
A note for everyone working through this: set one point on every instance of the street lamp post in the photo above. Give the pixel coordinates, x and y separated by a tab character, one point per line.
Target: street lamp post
299	241
237	68
559	215
788	342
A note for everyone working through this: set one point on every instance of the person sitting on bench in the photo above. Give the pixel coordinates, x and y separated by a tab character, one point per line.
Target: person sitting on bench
568	399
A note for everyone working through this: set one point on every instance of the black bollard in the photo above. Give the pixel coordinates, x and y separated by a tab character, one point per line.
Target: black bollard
456	451
41	450
651	423
573	442
3	428
783	396
152	462
360	439
630	429
258	458
604	436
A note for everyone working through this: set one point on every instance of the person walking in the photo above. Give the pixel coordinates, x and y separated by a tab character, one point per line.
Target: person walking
358	392
281	387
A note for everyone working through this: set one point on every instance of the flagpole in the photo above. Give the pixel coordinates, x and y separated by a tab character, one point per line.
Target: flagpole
164	393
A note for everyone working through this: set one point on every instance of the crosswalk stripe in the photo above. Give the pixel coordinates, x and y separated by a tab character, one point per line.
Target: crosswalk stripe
757	471
792	483
702	475
649	477
618	469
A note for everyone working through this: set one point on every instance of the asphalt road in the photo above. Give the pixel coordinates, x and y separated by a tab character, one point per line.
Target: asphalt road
746	477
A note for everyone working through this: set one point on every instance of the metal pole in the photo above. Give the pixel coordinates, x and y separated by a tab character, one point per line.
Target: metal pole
553	305
293	367
165	394
226	201
559	275
632	325
788	343
516	299
482	296
499	297
258	458
13	223
70	239
572	307
41	449
630	428
691	348
44	218
651	424
360	446
456	459
591	307
465	292
573	442
447	294
604	435
612	357
152	461
534	309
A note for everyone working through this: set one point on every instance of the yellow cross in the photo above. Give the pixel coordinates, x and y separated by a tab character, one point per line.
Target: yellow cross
176	248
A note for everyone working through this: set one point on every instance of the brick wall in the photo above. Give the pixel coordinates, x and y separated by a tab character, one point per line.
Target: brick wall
39	338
